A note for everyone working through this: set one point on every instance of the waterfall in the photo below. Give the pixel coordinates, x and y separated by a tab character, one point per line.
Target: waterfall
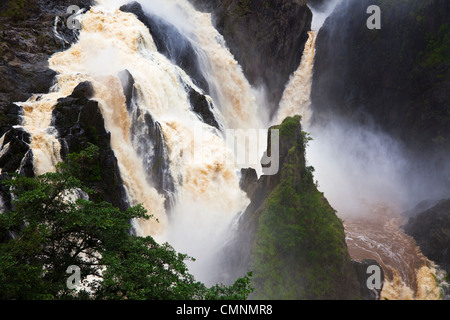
201	166
296	96
207	193
36	120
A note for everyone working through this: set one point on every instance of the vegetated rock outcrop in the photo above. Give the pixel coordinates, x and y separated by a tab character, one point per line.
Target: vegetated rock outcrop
267	38
289	236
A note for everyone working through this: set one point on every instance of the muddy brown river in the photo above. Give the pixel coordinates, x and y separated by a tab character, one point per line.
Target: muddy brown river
409	275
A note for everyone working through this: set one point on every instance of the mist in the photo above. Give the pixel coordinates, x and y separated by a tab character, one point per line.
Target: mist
321	13
357	163
358	166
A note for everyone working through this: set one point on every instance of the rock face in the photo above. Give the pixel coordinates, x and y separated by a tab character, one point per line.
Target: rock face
79	122
267	38
431	230
27	39
15	157
396	78
249	181
363	275
289	236
149	142
203	108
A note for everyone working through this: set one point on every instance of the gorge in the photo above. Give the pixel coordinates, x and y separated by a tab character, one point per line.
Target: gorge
362	117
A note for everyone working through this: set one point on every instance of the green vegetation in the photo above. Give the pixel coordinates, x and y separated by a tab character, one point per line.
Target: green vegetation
49	230
437	52
19	10
299	246
243	8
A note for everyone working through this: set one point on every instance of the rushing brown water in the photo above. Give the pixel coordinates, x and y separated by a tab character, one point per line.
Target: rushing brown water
378	235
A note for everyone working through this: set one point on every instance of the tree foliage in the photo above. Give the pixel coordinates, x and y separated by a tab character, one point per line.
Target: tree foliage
54	225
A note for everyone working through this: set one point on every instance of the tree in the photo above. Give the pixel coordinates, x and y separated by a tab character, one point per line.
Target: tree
54	225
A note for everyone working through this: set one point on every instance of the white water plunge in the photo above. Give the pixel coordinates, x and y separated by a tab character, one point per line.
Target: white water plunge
208	195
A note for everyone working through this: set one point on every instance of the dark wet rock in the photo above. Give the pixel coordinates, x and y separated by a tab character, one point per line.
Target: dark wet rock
396	78
203	108
149	142
249	181
79	123
84	90
431	230
13	151
364	273
10	115
27	40
15	157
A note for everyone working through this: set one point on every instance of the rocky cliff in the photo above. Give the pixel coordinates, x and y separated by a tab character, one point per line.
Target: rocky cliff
396	78
30	32
80	123
429	224
289	236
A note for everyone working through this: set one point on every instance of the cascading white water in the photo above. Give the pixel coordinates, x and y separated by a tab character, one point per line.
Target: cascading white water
297	94
208	195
